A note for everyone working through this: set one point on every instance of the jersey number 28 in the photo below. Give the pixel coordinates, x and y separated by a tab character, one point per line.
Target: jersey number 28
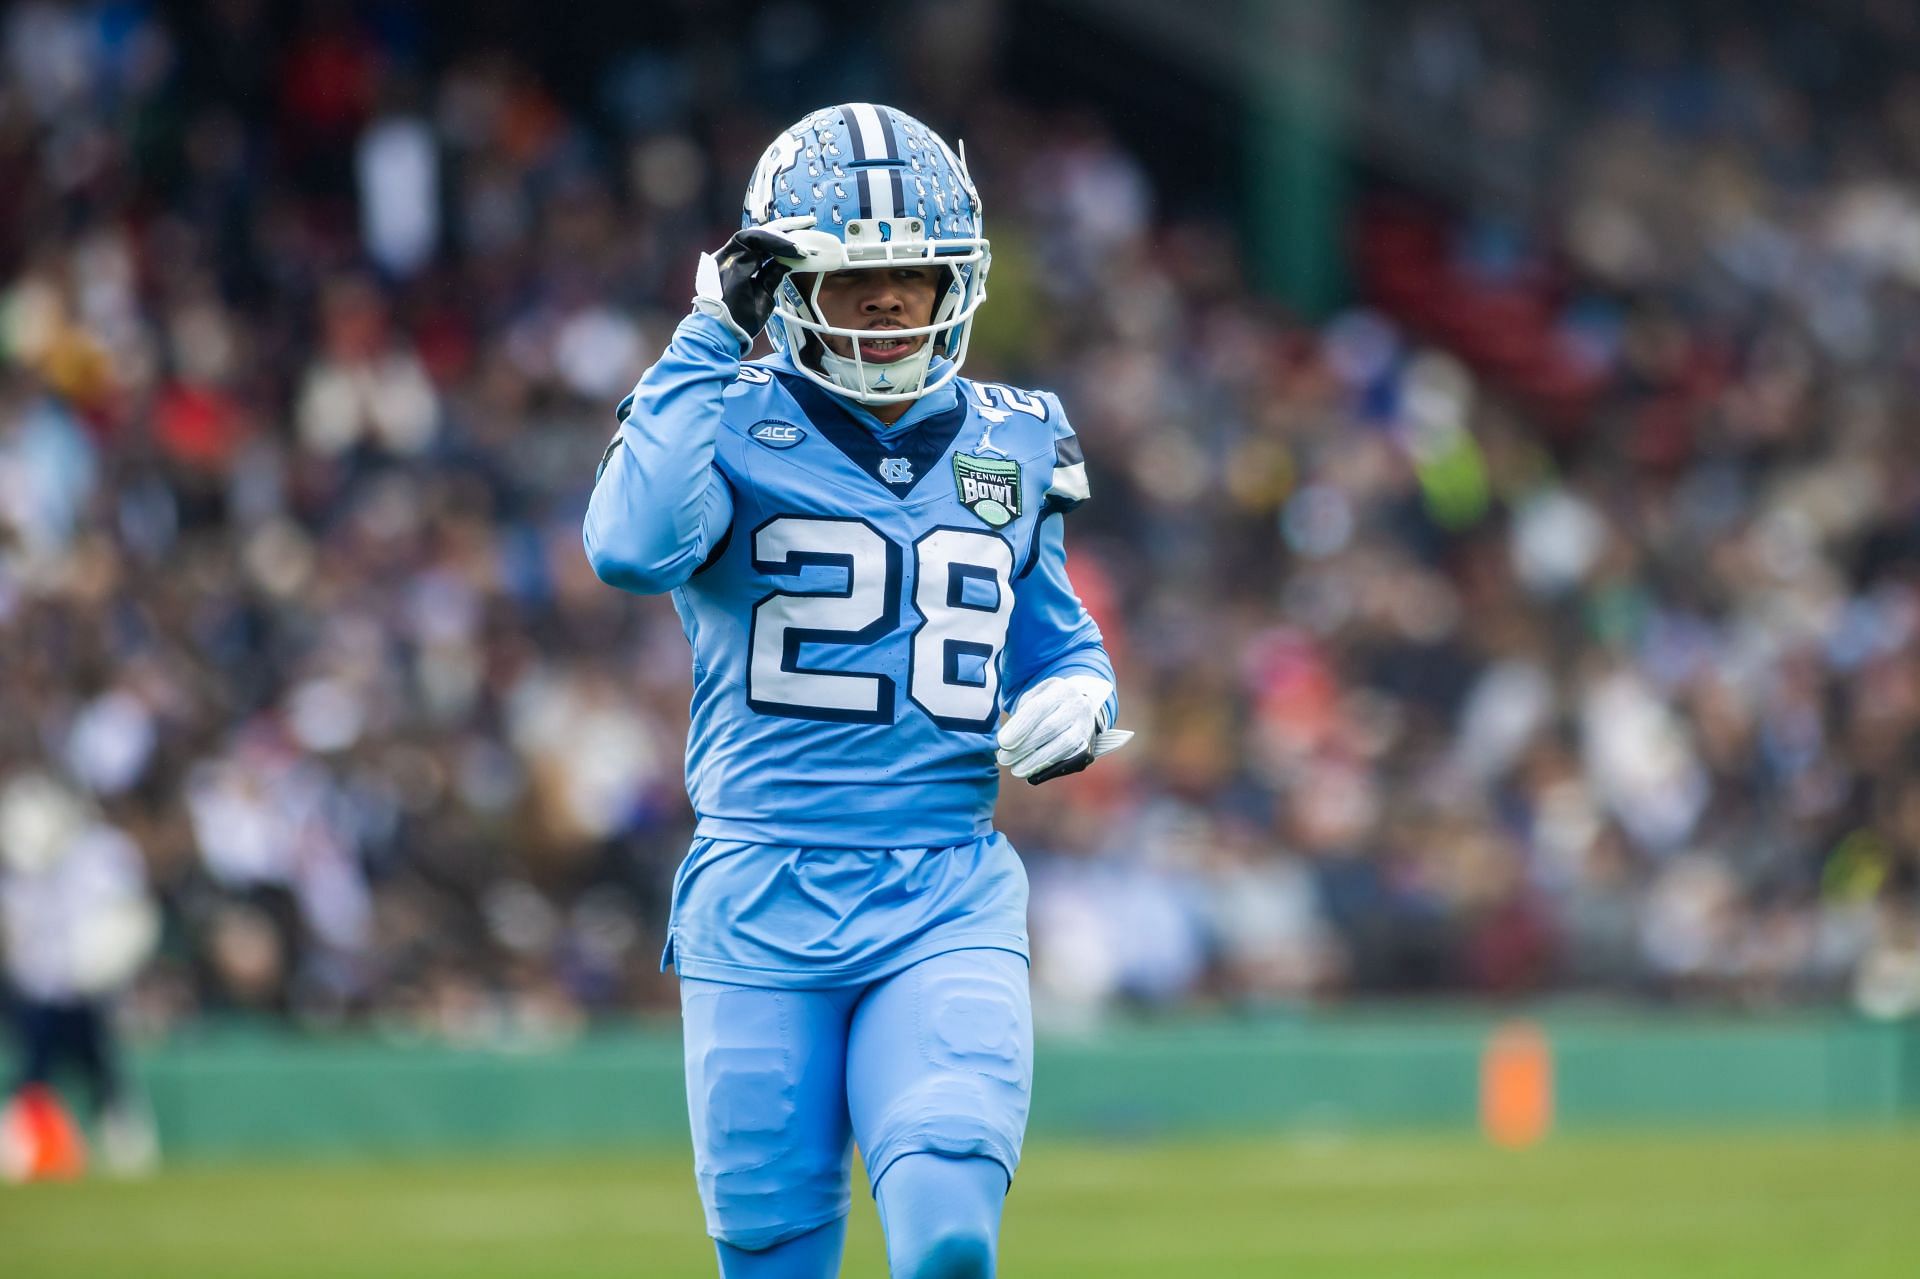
962	592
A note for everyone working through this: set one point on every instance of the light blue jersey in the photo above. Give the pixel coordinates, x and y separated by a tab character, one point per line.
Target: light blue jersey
863	601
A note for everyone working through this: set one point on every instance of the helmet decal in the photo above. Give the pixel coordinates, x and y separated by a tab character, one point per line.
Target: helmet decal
772	169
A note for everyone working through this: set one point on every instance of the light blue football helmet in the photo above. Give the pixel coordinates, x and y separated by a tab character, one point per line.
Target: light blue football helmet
890	192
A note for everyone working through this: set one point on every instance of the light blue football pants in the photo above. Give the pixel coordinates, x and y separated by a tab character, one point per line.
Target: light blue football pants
930	1070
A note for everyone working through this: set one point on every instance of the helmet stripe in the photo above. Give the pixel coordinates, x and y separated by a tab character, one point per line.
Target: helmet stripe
879	185
857	138
855	133
872	142
872	134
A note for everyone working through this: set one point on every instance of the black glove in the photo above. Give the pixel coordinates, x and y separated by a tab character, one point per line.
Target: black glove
1064	768
736	285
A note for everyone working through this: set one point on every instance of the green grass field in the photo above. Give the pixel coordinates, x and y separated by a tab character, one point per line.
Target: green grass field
1745	1207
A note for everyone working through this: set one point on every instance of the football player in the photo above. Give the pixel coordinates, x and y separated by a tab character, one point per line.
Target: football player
865	550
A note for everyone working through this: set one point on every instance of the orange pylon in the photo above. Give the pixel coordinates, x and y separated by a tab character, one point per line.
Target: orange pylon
38	1139
1516	1086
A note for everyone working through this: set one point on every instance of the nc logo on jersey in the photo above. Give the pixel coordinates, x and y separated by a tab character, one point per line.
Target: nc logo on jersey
988	486
776	434
896	470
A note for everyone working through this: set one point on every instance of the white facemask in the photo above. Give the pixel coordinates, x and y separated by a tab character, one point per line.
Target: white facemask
796	310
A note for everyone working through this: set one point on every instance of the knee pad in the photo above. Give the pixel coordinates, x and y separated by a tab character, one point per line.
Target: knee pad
974	1079
942	1216
766	1172
813	1255
960	1254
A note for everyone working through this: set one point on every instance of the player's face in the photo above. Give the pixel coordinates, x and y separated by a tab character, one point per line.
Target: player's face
878	299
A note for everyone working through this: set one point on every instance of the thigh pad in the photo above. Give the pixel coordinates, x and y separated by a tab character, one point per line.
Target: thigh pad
957	1078
770	1130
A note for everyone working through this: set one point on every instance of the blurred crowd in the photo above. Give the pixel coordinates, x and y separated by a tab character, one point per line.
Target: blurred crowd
312	324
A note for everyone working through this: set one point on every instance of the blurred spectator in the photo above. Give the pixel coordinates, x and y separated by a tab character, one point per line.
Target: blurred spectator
1545	621
76	924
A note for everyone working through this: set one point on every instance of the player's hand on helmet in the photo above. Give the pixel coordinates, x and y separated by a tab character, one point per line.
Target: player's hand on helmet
736	286
1058	729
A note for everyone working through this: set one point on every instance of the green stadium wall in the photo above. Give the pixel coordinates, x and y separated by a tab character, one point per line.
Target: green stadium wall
232	1093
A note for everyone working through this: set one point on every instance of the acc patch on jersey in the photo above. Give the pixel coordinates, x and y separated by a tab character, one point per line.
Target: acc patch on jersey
988	486
776	434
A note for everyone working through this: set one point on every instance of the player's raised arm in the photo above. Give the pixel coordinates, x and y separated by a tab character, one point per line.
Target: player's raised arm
659	506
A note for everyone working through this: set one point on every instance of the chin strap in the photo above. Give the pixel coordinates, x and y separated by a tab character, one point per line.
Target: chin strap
861	378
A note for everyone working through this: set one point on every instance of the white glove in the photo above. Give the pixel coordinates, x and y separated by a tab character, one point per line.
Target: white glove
1057	728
